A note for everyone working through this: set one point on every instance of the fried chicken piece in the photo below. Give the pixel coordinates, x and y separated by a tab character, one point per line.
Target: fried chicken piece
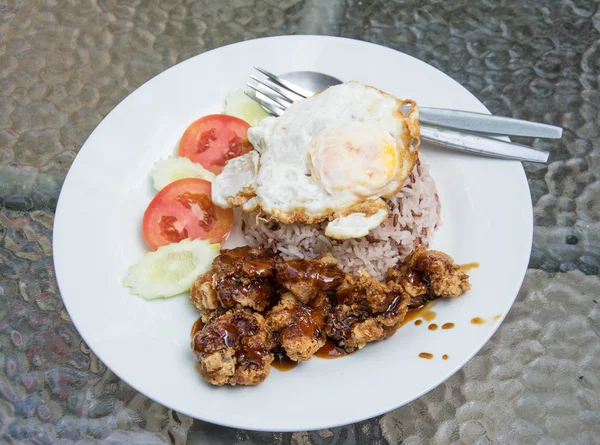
427	275
238	277
247	292
234	348
204	296
366	310
306	278
254	262
299	328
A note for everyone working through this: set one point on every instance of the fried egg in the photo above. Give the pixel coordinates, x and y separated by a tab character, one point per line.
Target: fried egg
333	156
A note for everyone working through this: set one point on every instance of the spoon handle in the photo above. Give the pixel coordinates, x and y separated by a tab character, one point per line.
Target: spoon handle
482	145
485	123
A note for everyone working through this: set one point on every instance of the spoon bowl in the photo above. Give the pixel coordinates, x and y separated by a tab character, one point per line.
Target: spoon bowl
311	80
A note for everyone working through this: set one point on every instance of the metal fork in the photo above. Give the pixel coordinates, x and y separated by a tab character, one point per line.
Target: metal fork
276	94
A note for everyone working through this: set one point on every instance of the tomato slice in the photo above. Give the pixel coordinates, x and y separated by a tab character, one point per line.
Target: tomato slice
214	139
183	209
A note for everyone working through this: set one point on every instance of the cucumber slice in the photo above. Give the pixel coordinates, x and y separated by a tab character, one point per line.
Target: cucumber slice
171	269
174	168
239	105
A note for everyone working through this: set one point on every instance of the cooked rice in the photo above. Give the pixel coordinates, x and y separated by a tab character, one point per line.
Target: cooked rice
414	214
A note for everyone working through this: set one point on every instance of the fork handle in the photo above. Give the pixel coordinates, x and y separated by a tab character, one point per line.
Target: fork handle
486	123
481	145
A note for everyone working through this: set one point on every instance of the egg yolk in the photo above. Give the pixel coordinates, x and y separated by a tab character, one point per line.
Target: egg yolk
353	157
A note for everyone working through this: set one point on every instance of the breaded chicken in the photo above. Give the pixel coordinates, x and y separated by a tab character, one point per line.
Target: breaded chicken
429	274
307	278
366	310
234	349
238	277
204	296
299	328
247	311
254	262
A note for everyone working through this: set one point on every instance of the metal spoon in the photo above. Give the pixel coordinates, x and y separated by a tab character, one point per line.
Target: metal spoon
455	119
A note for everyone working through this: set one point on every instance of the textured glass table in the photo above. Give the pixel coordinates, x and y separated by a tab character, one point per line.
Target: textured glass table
65	64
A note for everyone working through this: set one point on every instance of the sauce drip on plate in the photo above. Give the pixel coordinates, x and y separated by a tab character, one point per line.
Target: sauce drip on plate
196	327
330	350
469	266
423	312
282	362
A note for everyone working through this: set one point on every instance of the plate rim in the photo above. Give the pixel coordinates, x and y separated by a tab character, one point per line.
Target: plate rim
58	220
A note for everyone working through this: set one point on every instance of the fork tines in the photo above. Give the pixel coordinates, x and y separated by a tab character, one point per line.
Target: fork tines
297	89
273	92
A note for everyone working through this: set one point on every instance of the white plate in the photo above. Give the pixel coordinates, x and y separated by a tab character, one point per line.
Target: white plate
486	212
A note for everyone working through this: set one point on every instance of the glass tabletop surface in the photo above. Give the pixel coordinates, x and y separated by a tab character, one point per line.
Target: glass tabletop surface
64	65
